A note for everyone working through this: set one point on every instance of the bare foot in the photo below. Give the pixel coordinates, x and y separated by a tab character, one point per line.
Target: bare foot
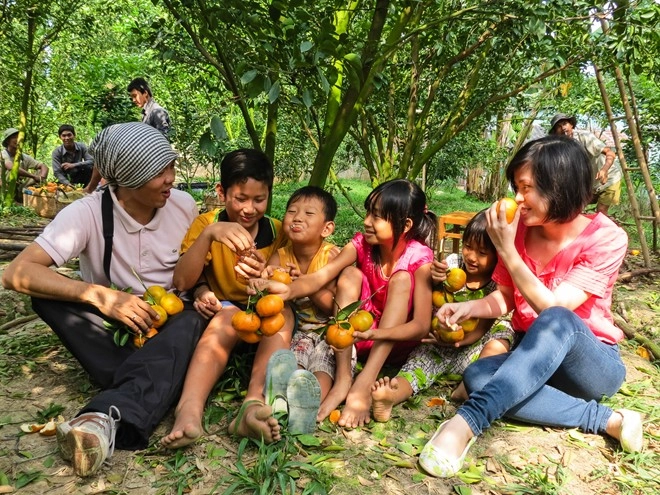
255	420
187	427
356	411
460	394
384	395
335	397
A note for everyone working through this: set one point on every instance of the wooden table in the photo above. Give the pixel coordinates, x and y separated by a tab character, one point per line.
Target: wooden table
458	220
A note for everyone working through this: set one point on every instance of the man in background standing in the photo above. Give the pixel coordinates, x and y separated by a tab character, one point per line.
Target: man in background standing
605	165
152	113
72	163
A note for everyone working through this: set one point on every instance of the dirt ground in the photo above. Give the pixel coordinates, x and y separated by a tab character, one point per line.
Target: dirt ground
36	372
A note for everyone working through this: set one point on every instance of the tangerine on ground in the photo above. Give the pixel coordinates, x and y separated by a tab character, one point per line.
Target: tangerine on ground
440	297
456	278
171	303
269	305
280	275
470	324
156	292
339	335
270	325
163	316
362	320
334	416
510	206
242	321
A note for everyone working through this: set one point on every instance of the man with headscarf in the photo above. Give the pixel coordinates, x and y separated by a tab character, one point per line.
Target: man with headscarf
136	223
604	164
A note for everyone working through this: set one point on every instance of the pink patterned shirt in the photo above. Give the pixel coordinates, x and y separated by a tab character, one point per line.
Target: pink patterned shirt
374	283
591	263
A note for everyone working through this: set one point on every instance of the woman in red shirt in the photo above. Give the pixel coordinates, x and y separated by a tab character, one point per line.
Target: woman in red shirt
556	271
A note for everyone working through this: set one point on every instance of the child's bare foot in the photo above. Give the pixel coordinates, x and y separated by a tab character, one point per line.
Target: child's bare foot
460	394
335	397
255	420
383	394
187	427
356	411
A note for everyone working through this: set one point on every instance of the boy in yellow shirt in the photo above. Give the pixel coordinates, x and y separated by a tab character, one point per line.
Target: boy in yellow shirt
221	250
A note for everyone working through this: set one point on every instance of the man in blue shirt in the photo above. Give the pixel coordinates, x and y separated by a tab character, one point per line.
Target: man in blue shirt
72	163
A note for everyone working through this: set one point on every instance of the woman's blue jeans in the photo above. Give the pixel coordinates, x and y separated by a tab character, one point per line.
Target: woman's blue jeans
554	377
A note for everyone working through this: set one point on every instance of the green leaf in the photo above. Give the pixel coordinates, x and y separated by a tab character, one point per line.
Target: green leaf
308	440
346	311
274	92
207	145
305	46
218	128
307	98
249	76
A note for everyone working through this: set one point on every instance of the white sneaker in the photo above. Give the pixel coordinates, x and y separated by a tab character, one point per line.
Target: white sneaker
88	440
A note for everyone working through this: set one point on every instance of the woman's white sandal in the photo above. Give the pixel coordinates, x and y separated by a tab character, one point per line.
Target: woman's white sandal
436	463
631	432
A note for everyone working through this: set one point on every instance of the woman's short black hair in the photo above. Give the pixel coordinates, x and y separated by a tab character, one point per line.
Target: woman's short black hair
562	173
243	164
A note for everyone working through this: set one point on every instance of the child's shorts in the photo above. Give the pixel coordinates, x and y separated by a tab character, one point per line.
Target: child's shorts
313	354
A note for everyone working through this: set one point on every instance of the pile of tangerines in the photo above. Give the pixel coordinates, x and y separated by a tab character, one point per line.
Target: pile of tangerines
164	303
263	317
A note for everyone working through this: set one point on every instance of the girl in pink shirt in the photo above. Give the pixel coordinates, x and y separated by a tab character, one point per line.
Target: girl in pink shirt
390	265
556	271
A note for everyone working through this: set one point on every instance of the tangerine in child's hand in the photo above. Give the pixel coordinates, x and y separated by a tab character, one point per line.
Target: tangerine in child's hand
339	335
361	320
456	279
269	305
282	276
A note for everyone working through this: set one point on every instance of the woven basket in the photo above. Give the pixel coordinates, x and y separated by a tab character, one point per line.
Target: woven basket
212	202
49	205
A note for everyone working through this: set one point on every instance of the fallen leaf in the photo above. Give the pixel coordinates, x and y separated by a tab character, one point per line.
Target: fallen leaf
364	481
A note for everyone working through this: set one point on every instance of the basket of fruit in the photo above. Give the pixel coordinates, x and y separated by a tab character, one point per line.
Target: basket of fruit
48	200
211	202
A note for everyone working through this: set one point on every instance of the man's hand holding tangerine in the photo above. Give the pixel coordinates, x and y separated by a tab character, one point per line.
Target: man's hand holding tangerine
127	308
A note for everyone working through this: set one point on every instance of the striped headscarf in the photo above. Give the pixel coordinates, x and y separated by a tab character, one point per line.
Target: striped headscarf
130	155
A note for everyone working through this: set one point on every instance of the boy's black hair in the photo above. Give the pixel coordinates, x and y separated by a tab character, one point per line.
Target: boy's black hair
66	127
140	84
562	174
475	231
243	164
314	192
397	200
